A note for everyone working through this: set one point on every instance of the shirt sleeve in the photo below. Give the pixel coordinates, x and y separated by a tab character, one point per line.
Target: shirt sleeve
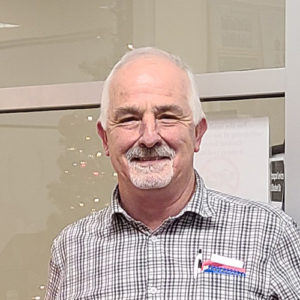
285	265
54	277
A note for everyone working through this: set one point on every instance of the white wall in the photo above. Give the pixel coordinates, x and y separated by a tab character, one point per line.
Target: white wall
292	109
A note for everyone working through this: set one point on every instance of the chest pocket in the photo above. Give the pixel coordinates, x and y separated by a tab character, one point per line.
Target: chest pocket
220	286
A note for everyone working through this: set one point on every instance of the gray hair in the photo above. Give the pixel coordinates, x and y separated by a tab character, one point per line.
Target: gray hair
193	97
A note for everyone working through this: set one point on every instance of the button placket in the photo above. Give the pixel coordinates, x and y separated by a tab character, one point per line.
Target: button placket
153	238
152	290
154	265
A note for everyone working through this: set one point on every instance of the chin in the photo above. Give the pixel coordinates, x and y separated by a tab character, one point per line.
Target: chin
151	180
150	184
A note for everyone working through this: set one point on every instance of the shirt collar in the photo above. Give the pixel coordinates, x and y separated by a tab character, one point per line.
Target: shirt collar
198	204
115	207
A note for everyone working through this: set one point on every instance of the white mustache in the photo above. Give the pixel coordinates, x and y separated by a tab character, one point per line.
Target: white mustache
156	151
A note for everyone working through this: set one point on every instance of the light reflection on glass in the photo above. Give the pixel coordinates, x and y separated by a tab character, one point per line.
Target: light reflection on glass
83	164
68	192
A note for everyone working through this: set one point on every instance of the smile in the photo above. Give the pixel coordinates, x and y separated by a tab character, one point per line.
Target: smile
151	158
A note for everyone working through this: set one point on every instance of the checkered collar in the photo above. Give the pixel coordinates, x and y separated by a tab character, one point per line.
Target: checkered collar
198	203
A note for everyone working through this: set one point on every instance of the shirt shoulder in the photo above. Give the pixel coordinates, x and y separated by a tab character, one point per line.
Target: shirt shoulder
93	225
222	202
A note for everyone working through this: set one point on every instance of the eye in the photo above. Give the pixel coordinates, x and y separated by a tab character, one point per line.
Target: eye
168	117
128	119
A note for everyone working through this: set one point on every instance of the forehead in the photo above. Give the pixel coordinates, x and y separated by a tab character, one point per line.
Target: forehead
149	75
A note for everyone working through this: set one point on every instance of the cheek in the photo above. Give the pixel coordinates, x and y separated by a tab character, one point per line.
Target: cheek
119	142
179	138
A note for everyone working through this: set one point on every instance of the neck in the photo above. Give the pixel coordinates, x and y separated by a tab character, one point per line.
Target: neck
154	206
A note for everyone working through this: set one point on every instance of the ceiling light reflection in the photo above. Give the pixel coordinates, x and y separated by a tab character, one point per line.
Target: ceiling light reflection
83	164
6	25
130	46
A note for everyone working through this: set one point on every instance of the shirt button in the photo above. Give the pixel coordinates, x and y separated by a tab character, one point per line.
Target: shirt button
152	290
153	239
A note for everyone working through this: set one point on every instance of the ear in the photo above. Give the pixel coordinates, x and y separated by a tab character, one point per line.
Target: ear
199	132
102	134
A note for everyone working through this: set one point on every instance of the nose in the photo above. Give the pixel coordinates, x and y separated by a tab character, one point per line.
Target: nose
149	135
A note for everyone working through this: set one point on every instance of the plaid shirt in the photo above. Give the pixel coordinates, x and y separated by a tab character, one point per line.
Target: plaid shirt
108	255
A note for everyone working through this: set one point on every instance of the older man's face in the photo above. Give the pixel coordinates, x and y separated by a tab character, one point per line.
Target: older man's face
150	133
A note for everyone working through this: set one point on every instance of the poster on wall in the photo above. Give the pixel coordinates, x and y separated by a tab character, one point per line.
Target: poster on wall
234	157
277	184
244	35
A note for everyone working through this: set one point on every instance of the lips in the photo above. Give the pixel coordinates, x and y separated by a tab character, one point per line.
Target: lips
151	158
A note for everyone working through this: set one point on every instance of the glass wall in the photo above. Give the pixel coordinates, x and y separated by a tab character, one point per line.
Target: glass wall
272	108
53	172
59	41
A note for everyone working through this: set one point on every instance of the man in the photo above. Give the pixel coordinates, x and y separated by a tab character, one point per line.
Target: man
145	244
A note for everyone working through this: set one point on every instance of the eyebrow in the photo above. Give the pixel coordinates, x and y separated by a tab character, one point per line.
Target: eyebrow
121	111
169	108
